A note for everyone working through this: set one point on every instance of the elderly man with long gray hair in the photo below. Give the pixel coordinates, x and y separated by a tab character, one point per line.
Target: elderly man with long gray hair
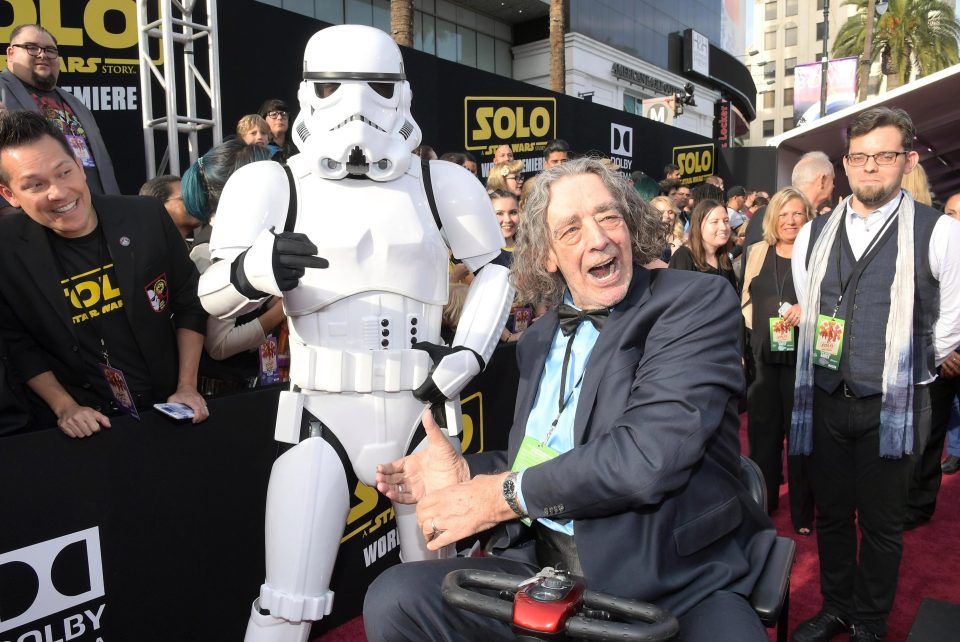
623	454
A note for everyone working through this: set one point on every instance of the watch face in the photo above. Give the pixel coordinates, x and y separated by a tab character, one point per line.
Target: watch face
509	487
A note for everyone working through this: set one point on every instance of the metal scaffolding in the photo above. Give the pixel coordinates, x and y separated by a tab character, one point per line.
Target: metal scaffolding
172	32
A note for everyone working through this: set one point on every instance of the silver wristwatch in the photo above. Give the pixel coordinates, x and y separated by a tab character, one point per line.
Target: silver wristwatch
510	494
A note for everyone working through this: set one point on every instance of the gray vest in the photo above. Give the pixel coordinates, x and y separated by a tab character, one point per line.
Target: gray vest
866	305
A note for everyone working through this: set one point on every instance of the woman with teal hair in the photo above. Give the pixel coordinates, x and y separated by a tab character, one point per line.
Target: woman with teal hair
202	183
230	360
645	186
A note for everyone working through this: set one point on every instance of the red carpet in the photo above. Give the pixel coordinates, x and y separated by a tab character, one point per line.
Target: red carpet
928	568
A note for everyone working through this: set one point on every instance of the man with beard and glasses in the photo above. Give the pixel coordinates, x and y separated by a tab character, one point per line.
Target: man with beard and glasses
874	280
30	84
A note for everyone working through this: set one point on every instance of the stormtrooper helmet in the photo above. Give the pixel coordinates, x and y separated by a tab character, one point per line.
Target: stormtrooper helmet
355	105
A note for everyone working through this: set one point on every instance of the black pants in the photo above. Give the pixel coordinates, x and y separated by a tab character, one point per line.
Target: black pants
769	405
405	604
856	488
925	482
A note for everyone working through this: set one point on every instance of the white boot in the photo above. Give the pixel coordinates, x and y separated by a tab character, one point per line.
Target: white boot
266	628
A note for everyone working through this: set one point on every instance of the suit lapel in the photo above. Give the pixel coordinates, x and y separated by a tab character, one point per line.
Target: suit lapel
19	91
37	257
541	334
603	350
121	244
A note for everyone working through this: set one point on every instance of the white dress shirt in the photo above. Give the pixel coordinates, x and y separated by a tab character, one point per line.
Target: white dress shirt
944	257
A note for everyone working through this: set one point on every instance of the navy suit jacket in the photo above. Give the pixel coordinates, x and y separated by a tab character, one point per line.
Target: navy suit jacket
652	483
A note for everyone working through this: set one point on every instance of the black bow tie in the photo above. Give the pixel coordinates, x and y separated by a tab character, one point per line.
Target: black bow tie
571	318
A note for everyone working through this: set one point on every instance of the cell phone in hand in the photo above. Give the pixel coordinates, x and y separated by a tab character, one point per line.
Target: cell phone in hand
178	413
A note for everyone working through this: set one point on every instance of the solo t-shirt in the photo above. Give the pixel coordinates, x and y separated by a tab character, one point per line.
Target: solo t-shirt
89	283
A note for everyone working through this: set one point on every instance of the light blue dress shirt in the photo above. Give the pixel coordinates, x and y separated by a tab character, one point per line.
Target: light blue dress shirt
546	405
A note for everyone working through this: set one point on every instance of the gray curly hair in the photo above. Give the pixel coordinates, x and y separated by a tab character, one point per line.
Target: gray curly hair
534	284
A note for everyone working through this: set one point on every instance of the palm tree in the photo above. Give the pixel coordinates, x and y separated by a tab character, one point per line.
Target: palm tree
558	63
401	22
912	39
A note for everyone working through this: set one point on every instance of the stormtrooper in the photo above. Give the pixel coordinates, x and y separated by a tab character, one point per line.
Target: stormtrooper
354	235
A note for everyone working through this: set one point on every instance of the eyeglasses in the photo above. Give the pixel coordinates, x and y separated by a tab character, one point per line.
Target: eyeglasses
276	114
882	158
34	50
516	177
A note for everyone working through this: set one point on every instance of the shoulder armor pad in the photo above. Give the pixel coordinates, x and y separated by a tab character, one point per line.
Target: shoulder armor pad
254	199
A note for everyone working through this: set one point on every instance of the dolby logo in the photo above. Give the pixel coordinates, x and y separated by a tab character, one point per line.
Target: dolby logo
49	577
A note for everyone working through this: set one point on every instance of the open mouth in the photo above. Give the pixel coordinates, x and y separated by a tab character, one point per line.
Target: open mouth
605	270
363	120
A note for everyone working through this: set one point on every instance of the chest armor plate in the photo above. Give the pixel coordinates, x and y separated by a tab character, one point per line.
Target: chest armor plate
378	237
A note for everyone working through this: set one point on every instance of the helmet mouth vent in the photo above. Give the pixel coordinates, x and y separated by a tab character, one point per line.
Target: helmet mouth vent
406	130
357	162
362	119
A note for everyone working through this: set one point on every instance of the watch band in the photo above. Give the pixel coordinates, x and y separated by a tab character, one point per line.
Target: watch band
510	494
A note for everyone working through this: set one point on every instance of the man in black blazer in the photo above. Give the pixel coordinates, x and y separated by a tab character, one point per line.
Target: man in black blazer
638	483
90	281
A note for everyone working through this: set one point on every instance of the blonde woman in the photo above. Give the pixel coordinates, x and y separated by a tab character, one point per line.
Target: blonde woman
506	176
771	313
671	222
917	184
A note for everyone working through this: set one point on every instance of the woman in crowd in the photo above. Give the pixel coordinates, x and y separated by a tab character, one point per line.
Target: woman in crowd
231	356
506	207
771	313
671	223
277	115
917	184
708	246
506	176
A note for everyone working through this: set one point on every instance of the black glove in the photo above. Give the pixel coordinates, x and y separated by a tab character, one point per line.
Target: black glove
428	391
293	253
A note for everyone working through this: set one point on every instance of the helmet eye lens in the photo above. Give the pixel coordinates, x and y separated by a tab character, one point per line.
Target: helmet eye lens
385	89
326	89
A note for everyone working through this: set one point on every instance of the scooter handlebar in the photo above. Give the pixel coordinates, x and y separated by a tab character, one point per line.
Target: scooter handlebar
654	624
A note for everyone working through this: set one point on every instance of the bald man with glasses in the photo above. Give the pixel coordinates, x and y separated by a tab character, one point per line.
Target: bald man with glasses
29	83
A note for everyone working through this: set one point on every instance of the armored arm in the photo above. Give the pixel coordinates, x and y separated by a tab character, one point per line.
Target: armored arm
253	257
471	231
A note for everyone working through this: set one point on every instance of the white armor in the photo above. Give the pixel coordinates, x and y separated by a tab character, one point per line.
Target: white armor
352	325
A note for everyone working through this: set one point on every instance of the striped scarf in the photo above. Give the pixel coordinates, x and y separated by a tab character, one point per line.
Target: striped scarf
896	407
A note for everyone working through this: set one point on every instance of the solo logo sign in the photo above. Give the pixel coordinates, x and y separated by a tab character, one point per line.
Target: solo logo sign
51	577
526	124
695	162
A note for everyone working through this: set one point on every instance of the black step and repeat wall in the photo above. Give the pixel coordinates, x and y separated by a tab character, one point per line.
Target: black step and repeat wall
261	52
153	532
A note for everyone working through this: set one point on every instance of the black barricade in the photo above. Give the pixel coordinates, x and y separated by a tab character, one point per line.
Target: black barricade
154	531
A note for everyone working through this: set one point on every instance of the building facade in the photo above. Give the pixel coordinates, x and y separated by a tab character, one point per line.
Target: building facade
785	33
619	53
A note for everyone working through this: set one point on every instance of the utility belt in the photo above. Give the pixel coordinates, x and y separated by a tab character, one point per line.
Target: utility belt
556	549
329	370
